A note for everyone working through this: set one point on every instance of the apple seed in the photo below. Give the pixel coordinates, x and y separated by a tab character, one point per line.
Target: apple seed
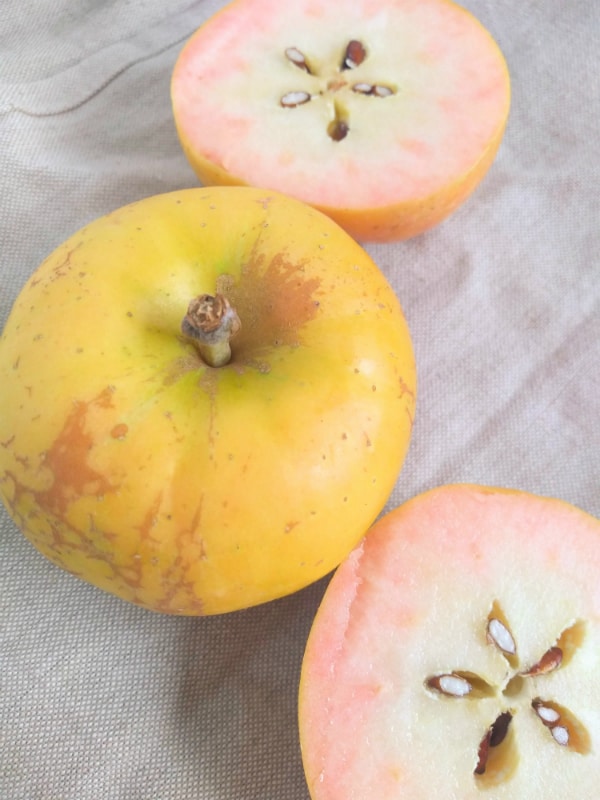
354	56
450	684
297	57
482	754
499	729
548	715
338	129
551	660
293	99
560	735
498	634
374	90
494	737
363	88
382	91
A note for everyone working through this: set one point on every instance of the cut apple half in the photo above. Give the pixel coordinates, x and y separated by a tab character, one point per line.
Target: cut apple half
384	114
456	655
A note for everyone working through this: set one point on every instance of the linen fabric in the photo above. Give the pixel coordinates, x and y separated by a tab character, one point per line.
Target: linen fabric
100	700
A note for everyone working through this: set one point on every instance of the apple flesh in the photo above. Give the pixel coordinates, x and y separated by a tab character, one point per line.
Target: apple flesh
188	488
455	655
384	115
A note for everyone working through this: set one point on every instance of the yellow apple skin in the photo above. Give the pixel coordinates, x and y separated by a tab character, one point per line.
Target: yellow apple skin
184	488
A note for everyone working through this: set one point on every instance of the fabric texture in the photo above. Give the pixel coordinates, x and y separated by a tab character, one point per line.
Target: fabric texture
100	700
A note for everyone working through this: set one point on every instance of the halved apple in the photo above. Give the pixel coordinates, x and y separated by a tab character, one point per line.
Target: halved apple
456	655
383	114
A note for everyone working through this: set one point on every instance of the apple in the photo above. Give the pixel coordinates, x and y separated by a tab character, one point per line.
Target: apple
455	655
383	114
207	397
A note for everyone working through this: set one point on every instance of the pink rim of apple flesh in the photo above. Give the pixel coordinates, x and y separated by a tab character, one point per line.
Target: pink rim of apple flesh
455	655
346	106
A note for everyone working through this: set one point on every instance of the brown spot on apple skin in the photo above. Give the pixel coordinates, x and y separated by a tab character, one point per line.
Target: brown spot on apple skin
274	301
58	539
67	460
119	431
60	270
177	586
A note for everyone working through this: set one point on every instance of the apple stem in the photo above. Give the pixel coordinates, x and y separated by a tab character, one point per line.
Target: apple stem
210	323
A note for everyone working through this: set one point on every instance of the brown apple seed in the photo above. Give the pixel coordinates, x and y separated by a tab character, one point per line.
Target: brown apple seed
494	736
450	684
552	659
293	99
297	57
355	55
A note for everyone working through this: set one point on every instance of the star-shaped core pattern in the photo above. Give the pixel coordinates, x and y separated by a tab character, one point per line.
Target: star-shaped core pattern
493	753
332	81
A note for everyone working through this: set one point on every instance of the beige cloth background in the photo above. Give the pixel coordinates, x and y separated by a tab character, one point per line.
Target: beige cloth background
103	701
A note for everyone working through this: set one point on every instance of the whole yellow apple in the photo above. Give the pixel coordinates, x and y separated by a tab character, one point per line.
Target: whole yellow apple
189	479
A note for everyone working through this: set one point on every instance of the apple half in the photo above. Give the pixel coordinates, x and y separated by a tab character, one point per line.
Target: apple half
456	655
384	114
155	448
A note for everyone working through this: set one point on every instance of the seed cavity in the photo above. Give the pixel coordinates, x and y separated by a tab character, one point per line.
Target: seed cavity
297	58
354	56
499	635
293	99
494	737
564	727
570	640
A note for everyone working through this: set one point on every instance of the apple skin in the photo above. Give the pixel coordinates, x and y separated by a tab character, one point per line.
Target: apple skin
378	223
184	488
